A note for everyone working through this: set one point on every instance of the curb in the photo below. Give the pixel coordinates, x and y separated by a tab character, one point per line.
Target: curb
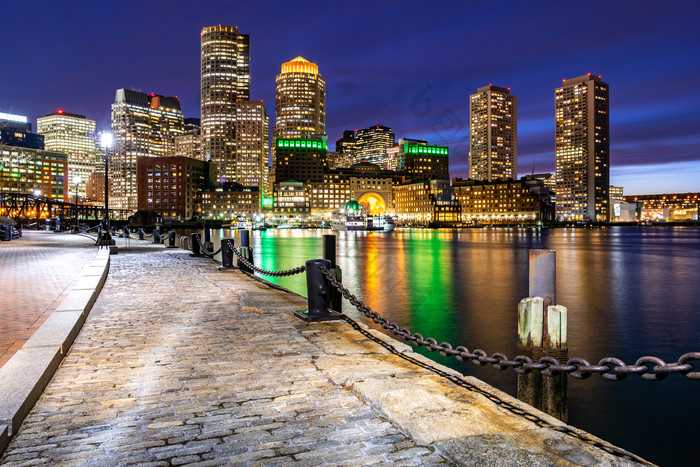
24	377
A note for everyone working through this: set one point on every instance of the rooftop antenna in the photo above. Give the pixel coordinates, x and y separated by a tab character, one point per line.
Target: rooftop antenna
533	165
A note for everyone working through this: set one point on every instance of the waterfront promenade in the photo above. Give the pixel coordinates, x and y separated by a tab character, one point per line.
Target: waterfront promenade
36	271
181	363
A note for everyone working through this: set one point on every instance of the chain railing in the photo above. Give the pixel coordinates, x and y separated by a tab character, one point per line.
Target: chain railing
287	272
610	368
206	252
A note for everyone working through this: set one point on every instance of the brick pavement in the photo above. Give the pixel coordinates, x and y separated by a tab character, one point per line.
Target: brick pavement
179	363
36	270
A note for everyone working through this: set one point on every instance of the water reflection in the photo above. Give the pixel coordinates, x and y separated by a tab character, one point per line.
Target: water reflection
629	291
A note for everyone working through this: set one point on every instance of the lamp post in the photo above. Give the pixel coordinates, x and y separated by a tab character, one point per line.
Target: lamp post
77	181
106	141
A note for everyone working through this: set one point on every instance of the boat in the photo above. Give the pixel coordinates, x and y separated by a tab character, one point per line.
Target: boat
341	221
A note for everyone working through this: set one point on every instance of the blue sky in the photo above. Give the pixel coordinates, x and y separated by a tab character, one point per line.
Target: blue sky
407	65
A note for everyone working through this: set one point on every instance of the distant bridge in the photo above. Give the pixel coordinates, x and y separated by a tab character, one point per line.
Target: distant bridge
27	207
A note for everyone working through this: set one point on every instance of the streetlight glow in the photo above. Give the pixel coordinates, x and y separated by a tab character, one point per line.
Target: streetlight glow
106	140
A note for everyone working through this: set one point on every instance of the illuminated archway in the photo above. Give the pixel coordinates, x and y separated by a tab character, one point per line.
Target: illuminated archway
372	203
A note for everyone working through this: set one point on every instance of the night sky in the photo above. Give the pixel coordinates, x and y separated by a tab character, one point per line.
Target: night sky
407	65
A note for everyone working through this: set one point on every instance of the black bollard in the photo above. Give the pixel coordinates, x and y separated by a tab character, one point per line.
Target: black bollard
194	238
141	234
226	254
329	252
245	251
156	236
245	238
208	245
317	288
6	233
171	239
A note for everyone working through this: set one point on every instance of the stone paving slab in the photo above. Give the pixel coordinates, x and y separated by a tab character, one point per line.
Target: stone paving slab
179	363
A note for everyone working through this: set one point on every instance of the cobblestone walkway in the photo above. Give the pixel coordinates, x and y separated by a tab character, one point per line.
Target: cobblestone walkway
36	269
174	367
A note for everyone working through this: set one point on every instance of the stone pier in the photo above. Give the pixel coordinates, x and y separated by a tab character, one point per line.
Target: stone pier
179	363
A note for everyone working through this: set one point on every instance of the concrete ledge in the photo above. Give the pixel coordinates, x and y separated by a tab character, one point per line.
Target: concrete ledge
22	379
59	330
79	300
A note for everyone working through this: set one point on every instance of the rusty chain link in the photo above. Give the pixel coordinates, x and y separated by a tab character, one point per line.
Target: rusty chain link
204	250
613	369
287	272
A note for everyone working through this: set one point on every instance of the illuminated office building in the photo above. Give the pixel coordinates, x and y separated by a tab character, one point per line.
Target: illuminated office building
225	79
301	159
372	143
73	135
16	130
582	149
251	165
143	125
33	171
421	161
493	134
300	102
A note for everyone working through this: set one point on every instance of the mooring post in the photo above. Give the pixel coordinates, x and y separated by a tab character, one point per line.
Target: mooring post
542	332
141	233
194	240
317	287
171	239
156	236
226	253
245	251
330	253
208	245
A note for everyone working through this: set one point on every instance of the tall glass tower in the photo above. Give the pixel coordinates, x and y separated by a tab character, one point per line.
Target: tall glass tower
582	149
225	79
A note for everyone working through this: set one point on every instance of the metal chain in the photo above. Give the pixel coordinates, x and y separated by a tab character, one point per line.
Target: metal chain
610	368
204	250
288	272
539	421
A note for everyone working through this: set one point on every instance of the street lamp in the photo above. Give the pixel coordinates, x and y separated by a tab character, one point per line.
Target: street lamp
77	181
106	141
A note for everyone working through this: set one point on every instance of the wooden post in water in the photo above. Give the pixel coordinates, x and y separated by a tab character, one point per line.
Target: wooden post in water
542	332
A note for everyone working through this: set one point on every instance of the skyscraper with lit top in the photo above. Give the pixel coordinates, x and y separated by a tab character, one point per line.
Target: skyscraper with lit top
73	135
582	149
225	79
300	101
493	134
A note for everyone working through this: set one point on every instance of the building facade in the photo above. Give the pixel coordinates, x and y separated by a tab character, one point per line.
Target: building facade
225	79
504	202
231	200
300	102
372	143
142	125
493	134
16	130
172	186
34	171
251	166
74	135
582	149
421	161
301	159
667	207
189	144
430	203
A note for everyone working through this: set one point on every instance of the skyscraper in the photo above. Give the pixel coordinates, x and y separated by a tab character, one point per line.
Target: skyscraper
300	100
143	125
371	144
225	79
582	149
252	144
73	135
493	136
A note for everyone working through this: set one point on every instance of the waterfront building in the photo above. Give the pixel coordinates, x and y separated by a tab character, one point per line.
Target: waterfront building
142	125
16	130
73	135
616	192
430	203
251	166
329	195
95	187
512	202
582	149
372	190
225	79
371	144
291	200
228	201
392	158
549	181
669	207
172	186
493	134
34	171
301	159
300	95
421	161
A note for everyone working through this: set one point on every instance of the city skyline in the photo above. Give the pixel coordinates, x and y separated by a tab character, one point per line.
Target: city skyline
385	73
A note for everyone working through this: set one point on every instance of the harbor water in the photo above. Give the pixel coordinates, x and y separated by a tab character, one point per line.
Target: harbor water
629	291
